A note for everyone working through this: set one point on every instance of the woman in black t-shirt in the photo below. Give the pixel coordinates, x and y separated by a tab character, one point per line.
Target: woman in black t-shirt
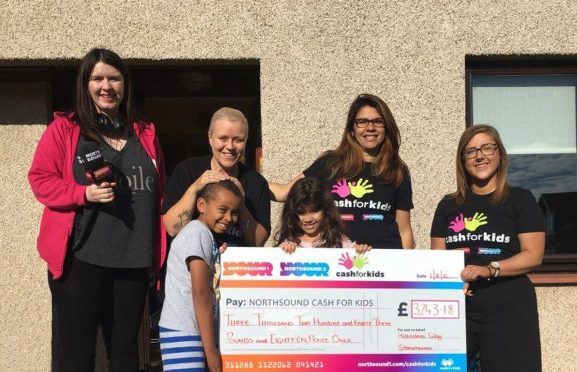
227	136
500	228
367	177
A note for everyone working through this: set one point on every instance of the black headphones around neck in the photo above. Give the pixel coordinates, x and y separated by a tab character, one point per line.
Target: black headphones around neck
107	125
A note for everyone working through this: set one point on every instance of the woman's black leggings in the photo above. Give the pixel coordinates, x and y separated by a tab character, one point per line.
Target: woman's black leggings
88	296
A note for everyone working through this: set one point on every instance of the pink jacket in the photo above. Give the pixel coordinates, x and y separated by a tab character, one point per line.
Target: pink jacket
52	180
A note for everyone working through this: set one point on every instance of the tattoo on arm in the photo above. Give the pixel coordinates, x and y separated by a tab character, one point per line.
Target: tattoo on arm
183	219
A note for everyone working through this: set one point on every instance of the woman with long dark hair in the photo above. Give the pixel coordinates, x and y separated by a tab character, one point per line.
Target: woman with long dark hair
367	177
99	172
501	230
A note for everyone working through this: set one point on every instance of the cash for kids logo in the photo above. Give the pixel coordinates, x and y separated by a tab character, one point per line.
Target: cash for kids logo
358	189
358	262
471	224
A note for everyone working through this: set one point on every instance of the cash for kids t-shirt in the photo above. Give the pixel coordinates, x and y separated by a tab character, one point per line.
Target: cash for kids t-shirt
367	205
487	232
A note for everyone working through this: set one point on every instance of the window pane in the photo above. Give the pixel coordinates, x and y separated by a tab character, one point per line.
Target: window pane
536	117
524	108
553	180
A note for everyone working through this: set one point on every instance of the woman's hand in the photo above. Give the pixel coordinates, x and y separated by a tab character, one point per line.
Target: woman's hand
102	193
362	248
213	360
474	272
222	248
209	176
288	247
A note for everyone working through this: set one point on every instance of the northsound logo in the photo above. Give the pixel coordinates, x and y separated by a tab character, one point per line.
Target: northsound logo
248	268
304	268
471	224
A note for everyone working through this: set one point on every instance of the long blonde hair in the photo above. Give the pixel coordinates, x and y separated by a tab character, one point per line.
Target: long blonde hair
347	159
464	179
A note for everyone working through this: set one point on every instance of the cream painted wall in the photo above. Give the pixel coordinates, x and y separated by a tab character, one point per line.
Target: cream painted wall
315	56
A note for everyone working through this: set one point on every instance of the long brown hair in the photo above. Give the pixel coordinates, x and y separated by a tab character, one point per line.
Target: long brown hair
85	110
347	159
310	195
464	179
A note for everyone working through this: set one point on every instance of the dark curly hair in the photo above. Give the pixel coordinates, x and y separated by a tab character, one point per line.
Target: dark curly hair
209	191
310	195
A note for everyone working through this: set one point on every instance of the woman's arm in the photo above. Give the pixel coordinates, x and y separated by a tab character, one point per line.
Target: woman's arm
202	298
46	174
254	234
279	191
531	255
403	219
532	250
181	212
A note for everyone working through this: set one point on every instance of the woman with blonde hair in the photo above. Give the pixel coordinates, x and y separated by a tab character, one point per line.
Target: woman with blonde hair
227	136
501	230
367	177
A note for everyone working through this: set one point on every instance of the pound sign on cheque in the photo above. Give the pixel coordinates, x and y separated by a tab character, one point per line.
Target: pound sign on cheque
402	309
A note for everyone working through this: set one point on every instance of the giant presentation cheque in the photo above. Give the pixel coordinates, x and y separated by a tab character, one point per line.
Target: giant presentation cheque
335	310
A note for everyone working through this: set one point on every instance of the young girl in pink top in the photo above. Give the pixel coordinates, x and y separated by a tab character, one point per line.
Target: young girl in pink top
310	219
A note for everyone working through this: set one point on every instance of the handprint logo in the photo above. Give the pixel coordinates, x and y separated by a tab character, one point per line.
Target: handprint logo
341	188
360	261
472	223
346	261
458	224
360	188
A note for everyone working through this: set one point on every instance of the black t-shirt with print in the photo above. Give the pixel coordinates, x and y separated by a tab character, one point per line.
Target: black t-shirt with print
257	194
487	232
122	233
367	204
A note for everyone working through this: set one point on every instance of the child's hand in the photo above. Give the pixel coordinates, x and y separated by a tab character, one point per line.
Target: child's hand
213	360
288	247
222	248
362	248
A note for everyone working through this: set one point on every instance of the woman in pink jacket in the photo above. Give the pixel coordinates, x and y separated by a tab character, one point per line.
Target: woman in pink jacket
99	172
